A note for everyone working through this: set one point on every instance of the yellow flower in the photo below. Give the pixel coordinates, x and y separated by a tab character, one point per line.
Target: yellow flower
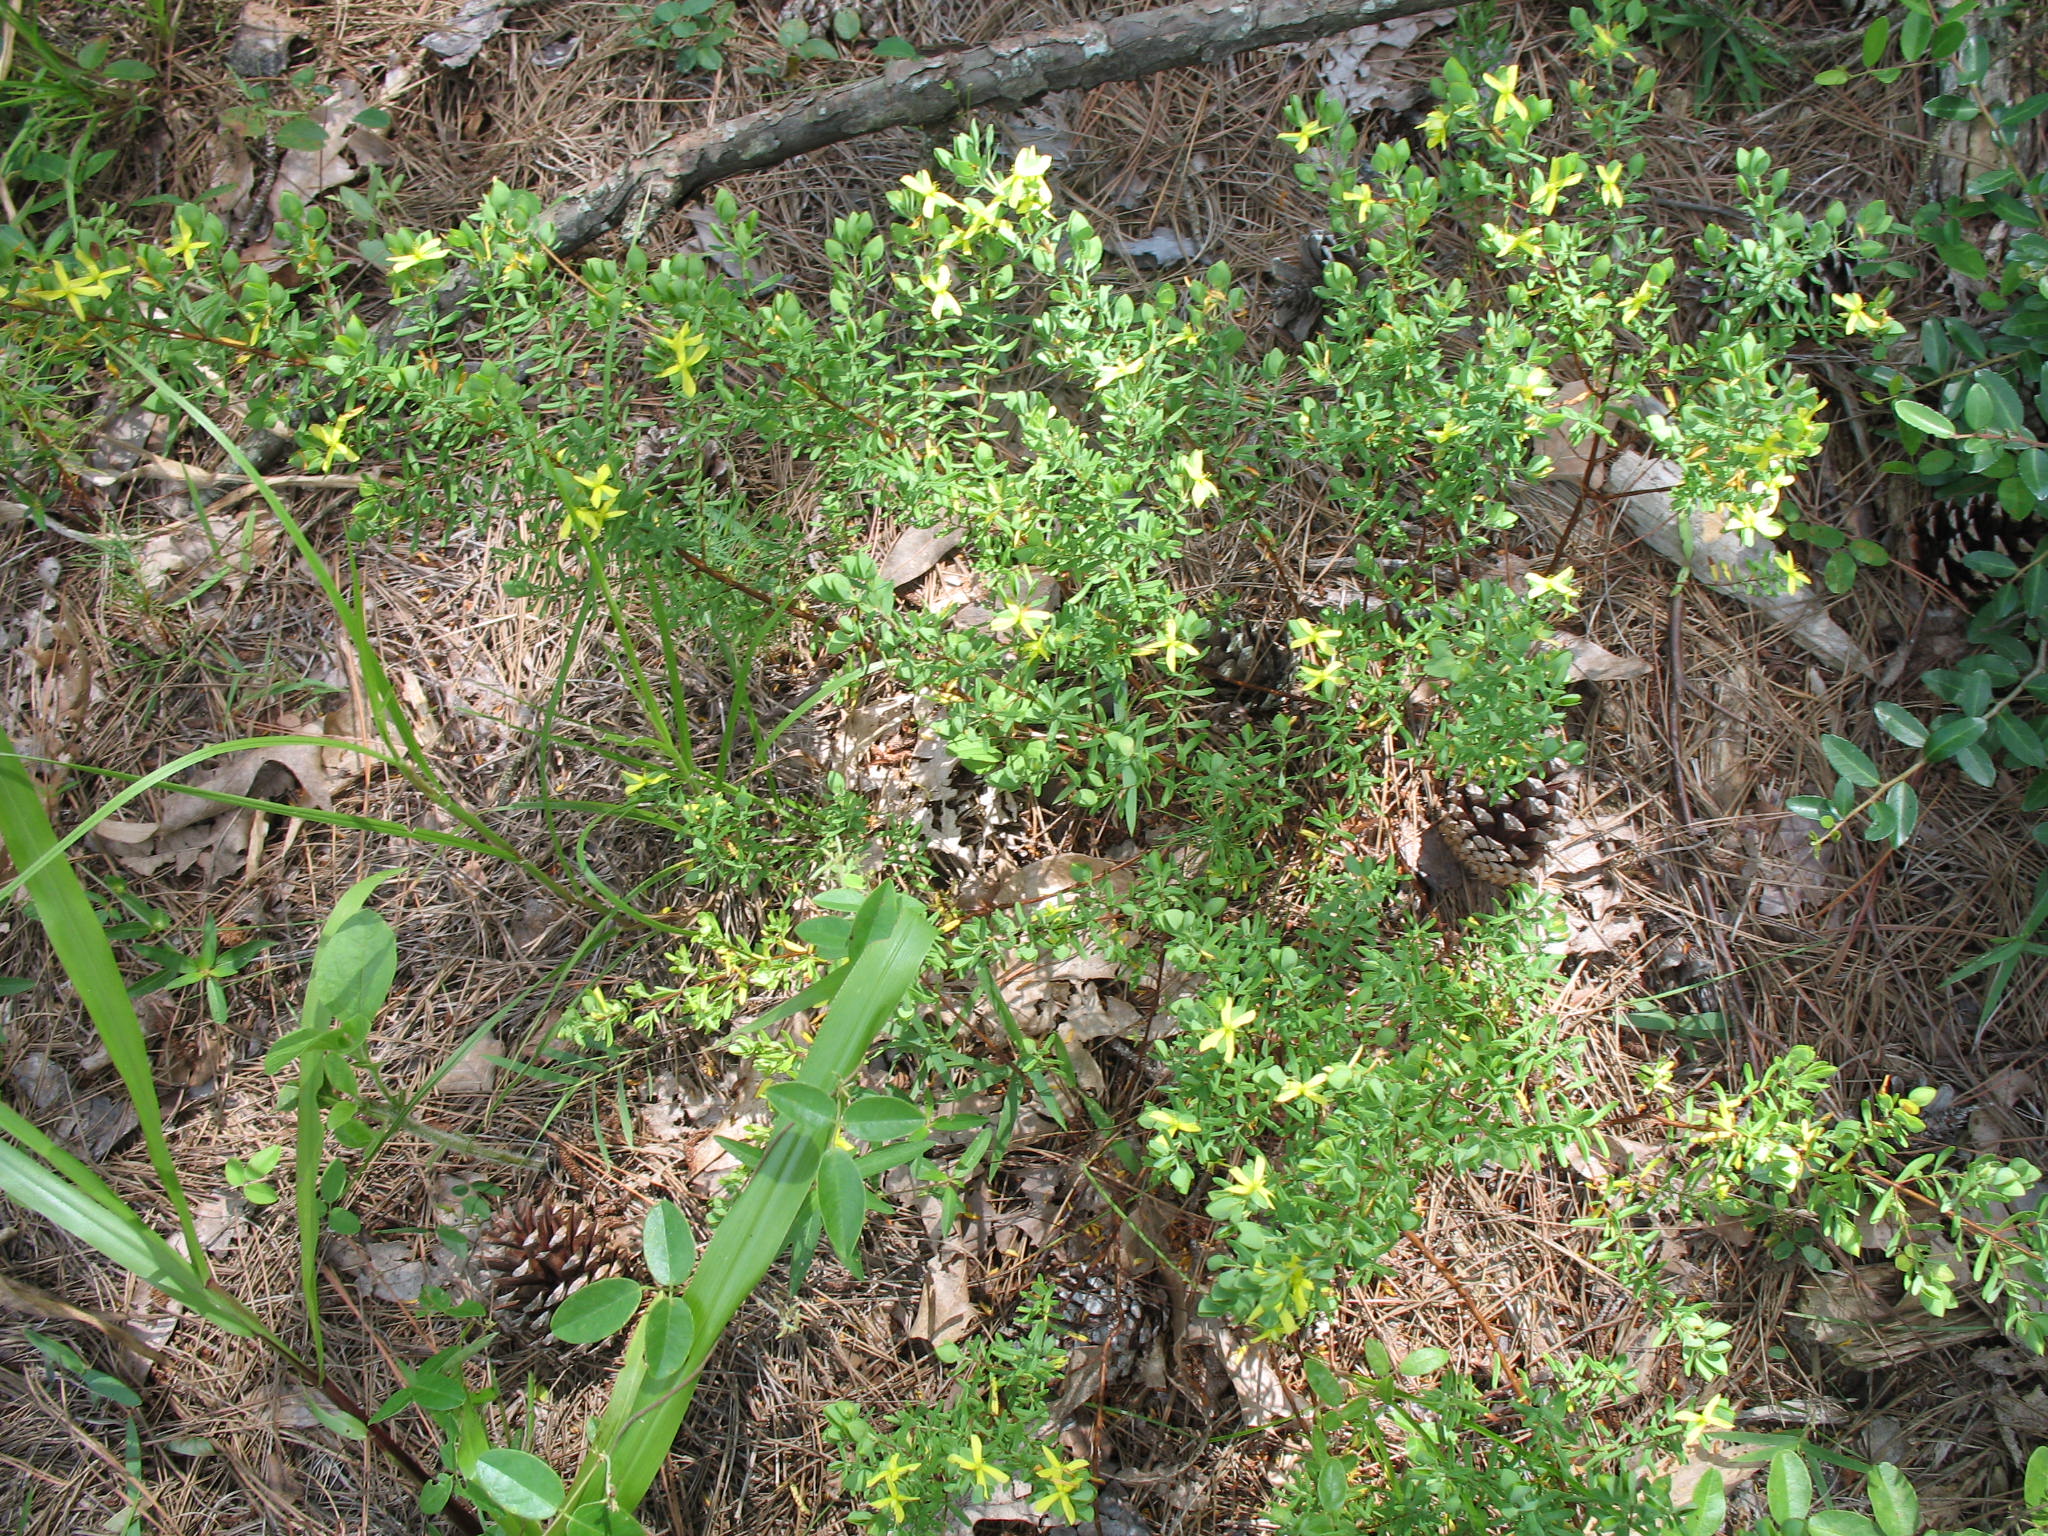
429	249
1610	183
1564	585
1229	1020
1250	1186
986	1475
689	350
1201	489
1170	1122
186	246
1063	1479
89	282
637	783
327	437
1312	1090
1305	135
599	507
1171	645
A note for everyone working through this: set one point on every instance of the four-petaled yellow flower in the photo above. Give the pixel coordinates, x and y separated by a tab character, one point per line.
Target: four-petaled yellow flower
1169	1122
1172	645
429	249
1610	183
1201	489
1063	1479
600	504
986	1475
1564	585
327	441
637	783
1312	1090
88	282
1249	1185
1229	1020
186	246
689	350
1306	635
1305	135
1019	613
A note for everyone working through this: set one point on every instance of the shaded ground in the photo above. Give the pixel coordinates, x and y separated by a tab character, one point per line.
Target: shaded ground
1697	874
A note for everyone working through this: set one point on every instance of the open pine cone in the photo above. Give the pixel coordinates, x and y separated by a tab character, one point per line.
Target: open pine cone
1502	838
538	1251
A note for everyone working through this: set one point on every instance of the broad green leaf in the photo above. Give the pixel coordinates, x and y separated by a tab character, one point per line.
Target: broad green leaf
1832	77
1850	762
801	1104
1945	741
1840	1522
668	1244
1709	1505
1916	415
519	1483
1900	723
2019	740
1892	1501
1904	801
1789	1487
353	970
843	1206
597	1311
1423	1362
1323	1381
882	1117
1977	766
2035	1489
603	1520
670	1334
1876	38
302	134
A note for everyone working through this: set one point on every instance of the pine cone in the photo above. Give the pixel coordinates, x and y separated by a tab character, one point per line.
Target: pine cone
1950	530
1501	839
537	1252
1249	659
1297	307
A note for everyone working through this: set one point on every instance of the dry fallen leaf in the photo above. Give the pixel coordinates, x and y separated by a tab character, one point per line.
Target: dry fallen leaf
462	37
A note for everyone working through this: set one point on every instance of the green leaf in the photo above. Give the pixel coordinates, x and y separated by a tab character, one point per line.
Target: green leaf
896	48
1916	415
1876	38
1709	1505
603	1520
1840	1522
374	118
1900	723
668	1244
96	1381
843	1205
1947	740
1832	77
353	970
1423	1362
1850	762
1904	801
2019	740
1951	109
670	1333
1893	1501
846	25
1323	1381
2035	1489
1839	574
519	1483
877	1117
803	1105
301	134
1789	1487
133	71
597	1311
73	929
1977	766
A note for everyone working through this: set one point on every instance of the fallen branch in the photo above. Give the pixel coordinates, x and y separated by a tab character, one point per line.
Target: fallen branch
1011	71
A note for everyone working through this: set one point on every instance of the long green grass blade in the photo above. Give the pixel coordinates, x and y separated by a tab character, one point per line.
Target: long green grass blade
633	1435
67	916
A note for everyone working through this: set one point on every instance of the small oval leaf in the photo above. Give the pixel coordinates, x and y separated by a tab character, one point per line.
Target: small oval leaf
1893	1501
879	1117
1789	1488
1932	422
1423	1362
519	1483
667	1335
1850	761
811	1108
597	1311
843	1203
668	1244
1901	724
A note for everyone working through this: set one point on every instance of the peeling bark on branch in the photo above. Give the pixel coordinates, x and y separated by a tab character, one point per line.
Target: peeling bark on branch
1010	71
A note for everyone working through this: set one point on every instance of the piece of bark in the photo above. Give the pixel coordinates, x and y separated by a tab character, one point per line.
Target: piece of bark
1012	71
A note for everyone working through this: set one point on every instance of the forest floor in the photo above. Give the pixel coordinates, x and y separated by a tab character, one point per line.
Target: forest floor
1701	723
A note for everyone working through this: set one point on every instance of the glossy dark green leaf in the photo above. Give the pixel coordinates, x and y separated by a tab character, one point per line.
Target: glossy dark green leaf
1850	761
1900	723
1949	738
1920	417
